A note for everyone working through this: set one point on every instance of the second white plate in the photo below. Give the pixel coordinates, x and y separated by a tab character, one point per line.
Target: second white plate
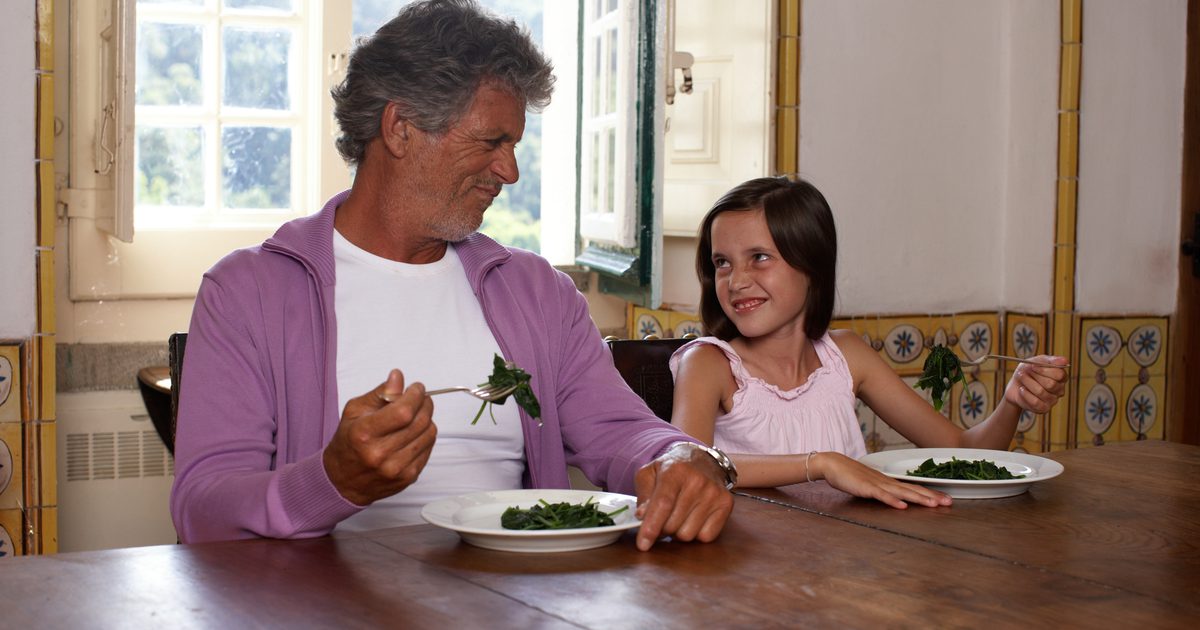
476	518
897	463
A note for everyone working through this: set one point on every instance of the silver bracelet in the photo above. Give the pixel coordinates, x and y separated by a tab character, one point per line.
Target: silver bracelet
807	474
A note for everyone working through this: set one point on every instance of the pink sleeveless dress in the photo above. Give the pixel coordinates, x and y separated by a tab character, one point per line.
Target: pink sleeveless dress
817	416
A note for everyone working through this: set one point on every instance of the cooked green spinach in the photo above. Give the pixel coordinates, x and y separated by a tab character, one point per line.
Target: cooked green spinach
976	470
561	515
505	375
940	372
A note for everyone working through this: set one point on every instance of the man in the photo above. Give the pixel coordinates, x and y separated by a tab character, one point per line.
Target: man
392	274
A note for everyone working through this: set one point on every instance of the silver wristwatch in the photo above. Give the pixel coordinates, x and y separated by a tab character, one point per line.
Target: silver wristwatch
724	462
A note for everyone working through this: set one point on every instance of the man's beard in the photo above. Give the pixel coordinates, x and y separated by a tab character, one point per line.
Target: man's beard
458	222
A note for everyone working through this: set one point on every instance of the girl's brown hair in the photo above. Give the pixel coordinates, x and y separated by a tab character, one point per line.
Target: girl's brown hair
801	224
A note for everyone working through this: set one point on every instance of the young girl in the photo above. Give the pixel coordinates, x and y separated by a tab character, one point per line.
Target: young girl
775	388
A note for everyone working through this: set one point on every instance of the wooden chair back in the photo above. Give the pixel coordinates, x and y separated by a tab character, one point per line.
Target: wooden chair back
643	365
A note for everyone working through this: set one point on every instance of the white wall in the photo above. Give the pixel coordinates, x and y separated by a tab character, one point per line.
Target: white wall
931	128
1130	142
17	172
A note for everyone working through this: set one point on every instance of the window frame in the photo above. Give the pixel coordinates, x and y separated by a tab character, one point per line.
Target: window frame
169	263
633	270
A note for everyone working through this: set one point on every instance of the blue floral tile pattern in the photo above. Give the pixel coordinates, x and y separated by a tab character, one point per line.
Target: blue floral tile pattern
688	327
1145	344
1141	408
648	325
1099	408
1024	341
1102	344
6	466
1026	421
6	546
973	404
975	340
904	343
6	379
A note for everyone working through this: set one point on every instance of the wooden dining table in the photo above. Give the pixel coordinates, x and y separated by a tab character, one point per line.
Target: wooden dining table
1114	541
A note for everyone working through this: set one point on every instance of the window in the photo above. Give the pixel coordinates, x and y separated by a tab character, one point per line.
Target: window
225	131
219	114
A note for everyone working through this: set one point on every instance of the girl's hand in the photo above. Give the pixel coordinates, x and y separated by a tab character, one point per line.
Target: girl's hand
1036	388
860	480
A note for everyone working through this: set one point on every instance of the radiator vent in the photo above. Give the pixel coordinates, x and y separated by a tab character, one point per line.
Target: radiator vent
116	455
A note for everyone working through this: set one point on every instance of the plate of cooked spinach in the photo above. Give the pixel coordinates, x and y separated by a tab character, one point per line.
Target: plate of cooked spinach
966	473
536	521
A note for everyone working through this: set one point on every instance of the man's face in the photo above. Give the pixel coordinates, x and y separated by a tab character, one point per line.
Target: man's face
457	174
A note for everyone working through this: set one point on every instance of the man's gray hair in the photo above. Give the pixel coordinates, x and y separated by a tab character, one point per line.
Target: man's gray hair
429	60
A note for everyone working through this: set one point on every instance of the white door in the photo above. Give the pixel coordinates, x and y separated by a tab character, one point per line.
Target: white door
719	135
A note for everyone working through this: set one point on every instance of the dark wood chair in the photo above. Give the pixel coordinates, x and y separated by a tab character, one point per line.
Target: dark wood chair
175	347
643	365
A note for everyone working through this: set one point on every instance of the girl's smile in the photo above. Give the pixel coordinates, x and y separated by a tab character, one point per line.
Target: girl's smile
758	290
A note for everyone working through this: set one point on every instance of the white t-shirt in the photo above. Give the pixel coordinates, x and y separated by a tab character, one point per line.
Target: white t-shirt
425	321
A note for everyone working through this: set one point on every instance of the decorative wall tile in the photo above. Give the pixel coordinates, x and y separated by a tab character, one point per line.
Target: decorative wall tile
11	387
1026	336
1121	376
12	458
11	540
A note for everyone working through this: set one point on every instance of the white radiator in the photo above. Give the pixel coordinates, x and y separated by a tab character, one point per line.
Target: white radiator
114	473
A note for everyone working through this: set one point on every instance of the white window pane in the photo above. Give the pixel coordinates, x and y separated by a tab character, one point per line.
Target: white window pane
610	78
256	167
169	166
262	5
256	68
168	64
182	3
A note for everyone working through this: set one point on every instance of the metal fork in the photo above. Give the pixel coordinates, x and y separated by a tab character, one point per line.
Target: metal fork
490	393
980	360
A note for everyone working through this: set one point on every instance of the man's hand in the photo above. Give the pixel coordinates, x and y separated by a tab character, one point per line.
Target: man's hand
380	447
682	494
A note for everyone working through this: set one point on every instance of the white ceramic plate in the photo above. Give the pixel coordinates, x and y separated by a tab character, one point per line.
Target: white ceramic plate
897	464
476	518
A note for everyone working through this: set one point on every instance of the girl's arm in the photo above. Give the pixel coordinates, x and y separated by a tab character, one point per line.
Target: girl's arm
840	471
704	389
899	405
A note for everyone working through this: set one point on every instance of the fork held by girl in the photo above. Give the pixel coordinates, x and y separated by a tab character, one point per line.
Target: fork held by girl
775	388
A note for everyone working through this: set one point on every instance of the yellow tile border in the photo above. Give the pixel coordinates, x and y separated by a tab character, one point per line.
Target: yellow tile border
45	117
789	18
1072	21
48	461
1059	430
787	81
45	35
1068	97
787	121
1068	144
45	291
46	386
45	204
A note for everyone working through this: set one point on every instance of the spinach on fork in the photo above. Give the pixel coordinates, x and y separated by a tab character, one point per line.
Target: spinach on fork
505	375
939	373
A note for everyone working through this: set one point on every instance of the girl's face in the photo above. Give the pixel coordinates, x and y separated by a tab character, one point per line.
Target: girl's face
758	290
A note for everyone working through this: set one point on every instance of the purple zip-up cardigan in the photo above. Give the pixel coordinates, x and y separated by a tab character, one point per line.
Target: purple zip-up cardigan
258	397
